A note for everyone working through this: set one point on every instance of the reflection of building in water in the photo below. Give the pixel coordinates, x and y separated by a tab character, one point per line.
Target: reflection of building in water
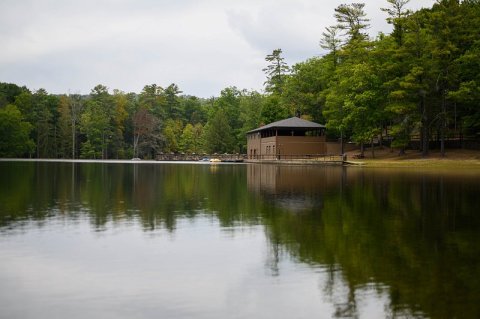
294	187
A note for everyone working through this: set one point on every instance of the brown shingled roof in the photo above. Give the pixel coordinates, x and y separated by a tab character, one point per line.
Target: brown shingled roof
291	123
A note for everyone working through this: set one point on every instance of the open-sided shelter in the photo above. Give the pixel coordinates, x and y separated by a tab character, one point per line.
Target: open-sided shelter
293	137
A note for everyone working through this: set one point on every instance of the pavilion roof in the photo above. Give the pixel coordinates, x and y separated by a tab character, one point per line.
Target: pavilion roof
290	123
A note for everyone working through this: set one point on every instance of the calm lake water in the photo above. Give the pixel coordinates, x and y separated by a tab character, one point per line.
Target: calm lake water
164	240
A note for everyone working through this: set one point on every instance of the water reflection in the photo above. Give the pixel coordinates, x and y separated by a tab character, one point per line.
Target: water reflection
413	236
390	243
154	194
295	188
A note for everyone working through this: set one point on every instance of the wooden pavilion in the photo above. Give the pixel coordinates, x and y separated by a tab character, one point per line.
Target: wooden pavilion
291	138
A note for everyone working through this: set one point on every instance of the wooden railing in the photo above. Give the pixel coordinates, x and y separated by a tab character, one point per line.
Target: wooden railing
199	157
327	158
303	157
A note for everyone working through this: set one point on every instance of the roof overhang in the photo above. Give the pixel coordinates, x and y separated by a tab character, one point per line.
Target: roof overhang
293	123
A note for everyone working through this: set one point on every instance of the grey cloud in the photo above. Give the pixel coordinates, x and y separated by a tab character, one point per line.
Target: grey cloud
203	46
295	29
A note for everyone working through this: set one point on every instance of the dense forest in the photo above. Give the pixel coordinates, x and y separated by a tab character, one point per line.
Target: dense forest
420	81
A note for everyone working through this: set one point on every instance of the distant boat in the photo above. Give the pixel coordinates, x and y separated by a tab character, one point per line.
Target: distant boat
214	160
136	159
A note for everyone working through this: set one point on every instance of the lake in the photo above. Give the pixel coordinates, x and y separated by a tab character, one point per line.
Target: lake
199	240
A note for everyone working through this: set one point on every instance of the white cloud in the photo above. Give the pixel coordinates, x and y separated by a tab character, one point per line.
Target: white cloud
203	46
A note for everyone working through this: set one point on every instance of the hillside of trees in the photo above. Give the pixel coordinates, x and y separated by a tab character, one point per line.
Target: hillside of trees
422	79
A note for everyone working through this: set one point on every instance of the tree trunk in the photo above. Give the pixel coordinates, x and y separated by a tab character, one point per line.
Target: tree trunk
442	142
444	126
38	142
136	138
342	144
73	139
380	139
373	149
103	145
424	138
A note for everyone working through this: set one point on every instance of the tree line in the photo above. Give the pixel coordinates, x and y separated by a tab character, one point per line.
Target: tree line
421	79
104	125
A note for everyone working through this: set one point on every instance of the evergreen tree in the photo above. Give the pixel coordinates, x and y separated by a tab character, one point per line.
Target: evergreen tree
276	72
396	16
331	41
97	124
218	136
352	19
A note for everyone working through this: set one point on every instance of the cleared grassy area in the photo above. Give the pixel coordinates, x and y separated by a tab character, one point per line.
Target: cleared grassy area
454	159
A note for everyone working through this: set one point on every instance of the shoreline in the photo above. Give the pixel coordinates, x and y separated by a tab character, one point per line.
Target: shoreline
384	158
454	159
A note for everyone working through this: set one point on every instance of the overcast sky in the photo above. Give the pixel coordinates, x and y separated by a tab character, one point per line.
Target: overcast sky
203	46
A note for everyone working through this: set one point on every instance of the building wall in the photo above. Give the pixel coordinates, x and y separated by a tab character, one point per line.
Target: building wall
301	145
271	147
253	145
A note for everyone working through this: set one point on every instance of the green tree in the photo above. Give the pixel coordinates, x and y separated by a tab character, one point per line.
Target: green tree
172	132
120	116
303	88
396	16
76	107
193	109
197	143
69	112
218	135
343	102
65	144
9	92
250	117
190	141
45	115
332	42
467	95
24	103
464	93
362	103
14	133
416	80
276	72
352	19
152	99
273	110
172	102
148	118
96	123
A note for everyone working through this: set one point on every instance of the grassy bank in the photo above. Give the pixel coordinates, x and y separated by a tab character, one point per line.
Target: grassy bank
454	159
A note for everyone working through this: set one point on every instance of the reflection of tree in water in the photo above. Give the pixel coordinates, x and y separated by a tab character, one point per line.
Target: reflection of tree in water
273	257
412	236
156	195
338	293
